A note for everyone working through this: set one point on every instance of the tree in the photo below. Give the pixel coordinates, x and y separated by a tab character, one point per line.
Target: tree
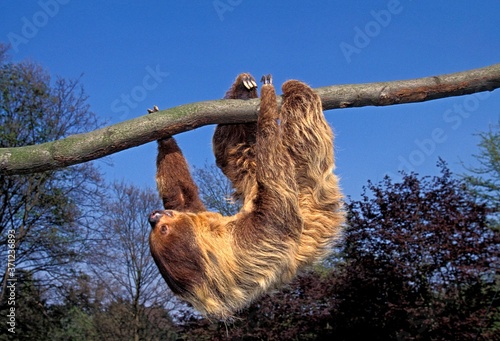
76	317
121	260
47	213
215	190
84	147
3	53
31	321
420	262
484	179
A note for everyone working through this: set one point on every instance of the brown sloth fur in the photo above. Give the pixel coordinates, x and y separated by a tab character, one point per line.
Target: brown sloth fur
281	170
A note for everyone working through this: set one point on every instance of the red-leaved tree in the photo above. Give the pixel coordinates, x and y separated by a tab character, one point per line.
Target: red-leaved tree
421	262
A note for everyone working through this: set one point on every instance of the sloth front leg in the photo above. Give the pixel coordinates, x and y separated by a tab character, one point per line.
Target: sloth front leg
277	195
173	179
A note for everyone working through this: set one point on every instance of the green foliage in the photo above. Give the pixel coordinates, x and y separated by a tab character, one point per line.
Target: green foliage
484	179
72	323
31	318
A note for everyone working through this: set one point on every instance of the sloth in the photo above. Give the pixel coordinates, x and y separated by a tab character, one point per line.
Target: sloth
281	169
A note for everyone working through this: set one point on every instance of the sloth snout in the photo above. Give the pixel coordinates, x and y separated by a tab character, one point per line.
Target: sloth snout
155	216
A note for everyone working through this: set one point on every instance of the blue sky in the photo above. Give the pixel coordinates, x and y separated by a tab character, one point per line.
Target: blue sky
134	54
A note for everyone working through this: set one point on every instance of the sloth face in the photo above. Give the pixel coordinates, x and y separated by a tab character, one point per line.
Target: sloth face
175	251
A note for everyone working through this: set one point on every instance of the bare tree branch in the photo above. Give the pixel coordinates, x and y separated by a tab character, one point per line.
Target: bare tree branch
93	145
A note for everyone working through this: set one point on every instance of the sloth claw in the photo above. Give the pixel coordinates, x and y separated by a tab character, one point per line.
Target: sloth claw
155	109
267	79
249	82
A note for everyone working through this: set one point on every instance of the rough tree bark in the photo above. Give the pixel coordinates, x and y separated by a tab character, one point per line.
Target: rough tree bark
99	143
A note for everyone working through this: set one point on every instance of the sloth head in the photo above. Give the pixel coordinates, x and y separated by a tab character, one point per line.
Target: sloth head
175	250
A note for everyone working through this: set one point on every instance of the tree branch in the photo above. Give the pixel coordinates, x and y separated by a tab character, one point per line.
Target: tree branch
96	144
